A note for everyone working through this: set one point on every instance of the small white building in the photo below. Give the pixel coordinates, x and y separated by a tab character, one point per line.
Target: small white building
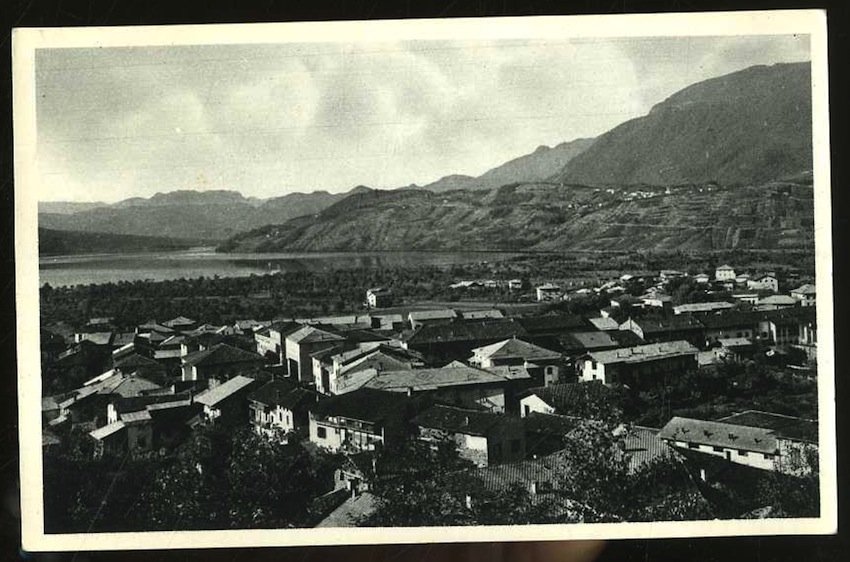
378	297
767	282
805	294
725	273
548	292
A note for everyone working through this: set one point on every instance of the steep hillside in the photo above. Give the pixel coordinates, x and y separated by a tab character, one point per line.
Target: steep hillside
529	168
59	242
550	217
747	127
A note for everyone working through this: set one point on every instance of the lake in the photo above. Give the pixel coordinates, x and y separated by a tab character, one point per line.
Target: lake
204	262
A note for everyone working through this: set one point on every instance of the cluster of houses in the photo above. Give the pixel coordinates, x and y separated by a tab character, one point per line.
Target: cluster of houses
502	389
761	290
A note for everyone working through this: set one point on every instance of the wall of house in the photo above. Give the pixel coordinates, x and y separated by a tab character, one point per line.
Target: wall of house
472	448
533	403
739	456
490	397
338	434
714	334
636	373
591	370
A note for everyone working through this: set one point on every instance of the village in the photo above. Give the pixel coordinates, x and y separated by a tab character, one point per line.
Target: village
503	387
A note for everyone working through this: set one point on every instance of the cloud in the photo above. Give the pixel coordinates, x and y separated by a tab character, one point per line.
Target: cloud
268	119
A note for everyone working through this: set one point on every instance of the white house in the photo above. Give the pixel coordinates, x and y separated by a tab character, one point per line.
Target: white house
767	282
725	273
756	439
805	294
548	292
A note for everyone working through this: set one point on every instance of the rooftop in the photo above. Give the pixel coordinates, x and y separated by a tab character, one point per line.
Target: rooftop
778	300
805	289
283	393
566	396
220	354
515	347
432	379
469	331
670	323
228	388
782	426
604	323
720	434
312	334
443	314
179	322
645	352
462	420
365	404
702	307
107	430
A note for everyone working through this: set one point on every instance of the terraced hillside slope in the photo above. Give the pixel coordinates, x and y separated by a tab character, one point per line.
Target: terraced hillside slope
552	217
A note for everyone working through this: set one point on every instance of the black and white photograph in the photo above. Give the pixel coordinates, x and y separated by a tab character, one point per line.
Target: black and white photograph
424	281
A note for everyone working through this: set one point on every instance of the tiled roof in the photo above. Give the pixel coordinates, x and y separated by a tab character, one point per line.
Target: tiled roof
478	314
552	323
284	393
466	332
444	314
604	323
311	334
515	347
805	289
462	420
221	354
566	396
500	477
778	300
702	307
643	445
783	426
625	338
646	352
731	320
511	372
130	418
552	424
365	404
720	434
136	361
228	388
179	322
587	340
432	379
107	430
671	323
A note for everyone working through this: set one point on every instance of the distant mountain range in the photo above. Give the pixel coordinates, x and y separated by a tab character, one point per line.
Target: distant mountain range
196	215
724	163
540	165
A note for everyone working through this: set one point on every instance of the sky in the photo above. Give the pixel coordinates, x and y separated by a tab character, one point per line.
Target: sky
267	120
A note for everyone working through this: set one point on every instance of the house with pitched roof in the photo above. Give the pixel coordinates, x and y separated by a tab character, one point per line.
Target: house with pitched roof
725	273
732	324
561	399
419	318
227	402
544	365
483	438
379	297
181	323
335	363
764	282
805	294
776	302
664	329
702	307
132	432
447	342
220	361
300	344
640	365
362	420
761	440
280	407
455	384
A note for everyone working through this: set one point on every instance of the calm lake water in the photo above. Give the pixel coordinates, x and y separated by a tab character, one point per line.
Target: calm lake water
204	262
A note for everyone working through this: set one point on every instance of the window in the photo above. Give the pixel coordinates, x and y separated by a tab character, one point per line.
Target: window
742	453
527	409
768	456
693	445
321	432
718	449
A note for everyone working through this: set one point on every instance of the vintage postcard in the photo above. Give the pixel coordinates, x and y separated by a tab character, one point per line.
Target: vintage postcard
507	279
